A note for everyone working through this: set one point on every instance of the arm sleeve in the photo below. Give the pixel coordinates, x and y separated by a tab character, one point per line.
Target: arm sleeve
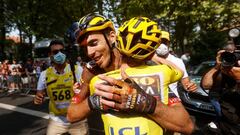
42	81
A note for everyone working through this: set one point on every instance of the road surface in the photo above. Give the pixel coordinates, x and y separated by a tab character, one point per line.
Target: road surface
19	116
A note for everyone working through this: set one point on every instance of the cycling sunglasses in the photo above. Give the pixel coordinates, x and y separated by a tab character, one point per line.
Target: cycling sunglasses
60	50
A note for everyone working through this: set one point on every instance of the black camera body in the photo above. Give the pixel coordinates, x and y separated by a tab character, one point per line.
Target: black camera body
230	59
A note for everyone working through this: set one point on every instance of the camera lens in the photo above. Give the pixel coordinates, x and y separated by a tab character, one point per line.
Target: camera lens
228	59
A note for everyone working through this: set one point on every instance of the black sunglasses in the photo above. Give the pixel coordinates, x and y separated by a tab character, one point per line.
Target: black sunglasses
85	24
60	50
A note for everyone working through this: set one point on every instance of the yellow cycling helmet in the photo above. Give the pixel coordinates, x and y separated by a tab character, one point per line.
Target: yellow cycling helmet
139	37
92	22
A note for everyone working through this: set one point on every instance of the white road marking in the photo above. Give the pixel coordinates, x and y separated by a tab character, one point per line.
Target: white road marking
25	111
33	113
33	96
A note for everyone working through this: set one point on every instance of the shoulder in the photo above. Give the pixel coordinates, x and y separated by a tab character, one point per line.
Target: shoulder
144	70
174	58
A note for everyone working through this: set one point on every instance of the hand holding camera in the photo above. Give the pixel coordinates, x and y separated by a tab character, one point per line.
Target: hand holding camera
230	59
229	56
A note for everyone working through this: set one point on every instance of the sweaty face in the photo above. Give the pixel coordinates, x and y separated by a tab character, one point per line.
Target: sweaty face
98	49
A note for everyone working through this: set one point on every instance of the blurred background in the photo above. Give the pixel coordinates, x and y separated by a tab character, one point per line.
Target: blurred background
199	27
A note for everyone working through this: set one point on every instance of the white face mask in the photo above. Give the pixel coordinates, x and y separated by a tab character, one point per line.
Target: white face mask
162	50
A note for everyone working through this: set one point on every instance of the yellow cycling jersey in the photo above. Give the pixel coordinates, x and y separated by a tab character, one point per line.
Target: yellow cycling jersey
154	80
59	90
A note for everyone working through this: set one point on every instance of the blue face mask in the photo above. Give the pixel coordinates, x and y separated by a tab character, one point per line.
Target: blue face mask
59	58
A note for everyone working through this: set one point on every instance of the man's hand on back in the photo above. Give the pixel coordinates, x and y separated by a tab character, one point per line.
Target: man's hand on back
124	95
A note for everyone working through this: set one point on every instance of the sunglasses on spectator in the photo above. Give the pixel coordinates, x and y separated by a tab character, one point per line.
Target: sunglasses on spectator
56	51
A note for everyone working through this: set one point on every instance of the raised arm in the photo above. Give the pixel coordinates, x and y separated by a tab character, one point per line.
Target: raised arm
160	60
78	108
172	117
78	111
207	79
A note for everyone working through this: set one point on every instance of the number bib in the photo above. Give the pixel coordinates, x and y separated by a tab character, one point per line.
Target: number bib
60	92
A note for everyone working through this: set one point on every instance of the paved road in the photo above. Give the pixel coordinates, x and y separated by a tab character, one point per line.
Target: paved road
19	116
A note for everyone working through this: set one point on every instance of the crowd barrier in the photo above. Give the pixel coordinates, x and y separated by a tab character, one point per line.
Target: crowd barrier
23	84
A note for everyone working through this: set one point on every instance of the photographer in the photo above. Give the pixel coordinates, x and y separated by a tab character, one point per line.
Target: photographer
223	81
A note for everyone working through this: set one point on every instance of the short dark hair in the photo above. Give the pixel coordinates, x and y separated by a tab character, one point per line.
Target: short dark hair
54	42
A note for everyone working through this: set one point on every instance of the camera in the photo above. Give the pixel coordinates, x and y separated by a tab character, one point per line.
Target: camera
230	59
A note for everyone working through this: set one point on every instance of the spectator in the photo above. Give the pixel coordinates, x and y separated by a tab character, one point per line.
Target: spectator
222	81
38	68
5	73
79	61
30	74
186	58
14	78
163	52
57	82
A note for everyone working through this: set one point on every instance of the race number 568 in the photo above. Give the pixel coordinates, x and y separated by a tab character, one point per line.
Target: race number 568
61	95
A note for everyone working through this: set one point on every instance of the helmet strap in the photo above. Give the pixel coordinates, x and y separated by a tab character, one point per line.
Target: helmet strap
110	48
105	36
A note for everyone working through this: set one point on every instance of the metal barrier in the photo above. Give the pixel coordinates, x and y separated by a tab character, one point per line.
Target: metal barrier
29	83
22	84
3	83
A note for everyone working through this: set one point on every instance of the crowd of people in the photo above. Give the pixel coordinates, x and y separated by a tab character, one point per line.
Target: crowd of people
15	76
130	78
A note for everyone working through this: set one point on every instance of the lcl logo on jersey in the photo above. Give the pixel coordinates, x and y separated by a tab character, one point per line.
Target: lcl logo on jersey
149	83
126	130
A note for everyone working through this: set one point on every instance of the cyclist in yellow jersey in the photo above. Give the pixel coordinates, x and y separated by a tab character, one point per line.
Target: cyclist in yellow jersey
126	106
57	82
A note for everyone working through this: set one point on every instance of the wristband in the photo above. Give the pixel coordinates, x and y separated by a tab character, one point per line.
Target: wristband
94	102
138	100
75	99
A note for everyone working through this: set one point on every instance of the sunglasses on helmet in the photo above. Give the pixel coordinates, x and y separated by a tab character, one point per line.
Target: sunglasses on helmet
85	23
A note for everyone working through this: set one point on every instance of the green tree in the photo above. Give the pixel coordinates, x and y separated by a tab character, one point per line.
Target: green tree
47	19
182	18
41	18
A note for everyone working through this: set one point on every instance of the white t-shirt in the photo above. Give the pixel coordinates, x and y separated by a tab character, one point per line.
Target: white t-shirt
178	62
42	86
185	58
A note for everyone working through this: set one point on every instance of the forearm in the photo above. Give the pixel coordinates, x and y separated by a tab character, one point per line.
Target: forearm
233	72
173	118
160	60
207	79
78	111
84	93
